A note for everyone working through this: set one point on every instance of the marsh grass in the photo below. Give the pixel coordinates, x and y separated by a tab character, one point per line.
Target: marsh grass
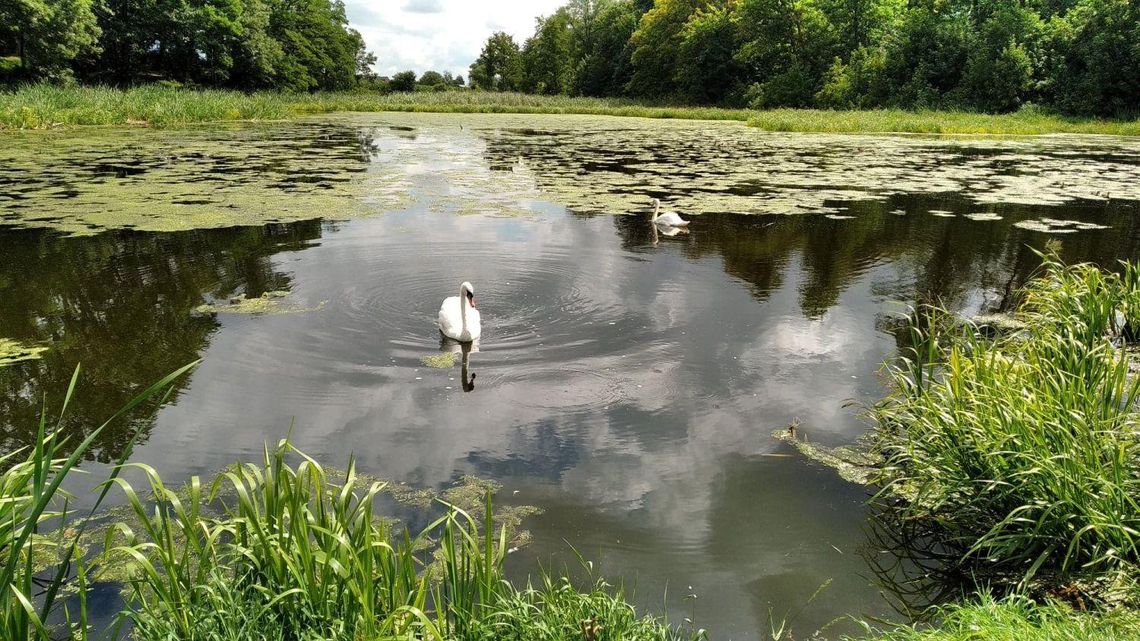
30	502
1024	123
1022	450
274	550
1017	619
41	106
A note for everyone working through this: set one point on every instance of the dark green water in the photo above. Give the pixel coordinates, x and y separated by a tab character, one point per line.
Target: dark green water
627	386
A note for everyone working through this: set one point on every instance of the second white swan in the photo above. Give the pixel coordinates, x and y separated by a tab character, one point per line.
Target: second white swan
458	318
668	219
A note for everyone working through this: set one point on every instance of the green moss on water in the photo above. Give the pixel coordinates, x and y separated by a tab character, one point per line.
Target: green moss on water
346	166
852	463
443	360
12	352
268	303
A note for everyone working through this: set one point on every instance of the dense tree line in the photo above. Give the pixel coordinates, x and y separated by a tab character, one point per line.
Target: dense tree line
250	44
1075	56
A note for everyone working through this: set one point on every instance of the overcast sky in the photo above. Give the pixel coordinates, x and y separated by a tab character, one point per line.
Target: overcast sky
444	35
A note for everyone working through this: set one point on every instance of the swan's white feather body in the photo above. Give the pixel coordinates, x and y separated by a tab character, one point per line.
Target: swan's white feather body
668	219
452	322
671	219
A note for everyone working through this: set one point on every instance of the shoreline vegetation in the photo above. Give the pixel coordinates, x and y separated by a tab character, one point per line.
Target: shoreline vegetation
283	548
47	106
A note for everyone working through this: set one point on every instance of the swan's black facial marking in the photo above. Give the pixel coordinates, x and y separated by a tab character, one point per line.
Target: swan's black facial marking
471	298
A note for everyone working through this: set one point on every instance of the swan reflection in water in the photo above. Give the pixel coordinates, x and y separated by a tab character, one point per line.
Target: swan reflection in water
666	231
464	350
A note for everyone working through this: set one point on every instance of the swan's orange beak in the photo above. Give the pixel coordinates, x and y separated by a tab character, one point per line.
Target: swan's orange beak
471	299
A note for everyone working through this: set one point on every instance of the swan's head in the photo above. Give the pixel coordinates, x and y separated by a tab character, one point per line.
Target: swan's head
467	290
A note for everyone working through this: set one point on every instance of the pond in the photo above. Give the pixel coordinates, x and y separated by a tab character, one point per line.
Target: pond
627	383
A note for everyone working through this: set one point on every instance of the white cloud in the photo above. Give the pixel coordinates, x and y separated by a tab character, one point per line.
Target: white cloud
444	35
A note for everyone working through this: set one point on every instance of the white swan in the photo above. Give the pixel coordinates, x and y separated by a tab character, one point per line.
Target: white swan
668	219
458	318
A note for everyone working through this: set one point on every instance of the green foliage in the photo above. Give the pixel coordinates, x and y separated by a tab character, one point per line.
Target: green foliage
1021	451
30	497
655	47
432	78
1018	619
46	36
297	45
605	66
706	68
547	57
1095	58
499	65
281	549
1078	57
403	81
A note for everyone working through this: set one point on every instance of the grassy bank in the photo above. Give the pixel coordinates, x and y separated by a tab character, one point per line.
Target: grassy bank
1018	619
45	106
1023	123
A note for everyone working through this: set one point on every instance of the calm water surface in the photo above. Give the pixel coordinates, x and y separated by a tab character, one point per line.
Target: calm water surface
627	385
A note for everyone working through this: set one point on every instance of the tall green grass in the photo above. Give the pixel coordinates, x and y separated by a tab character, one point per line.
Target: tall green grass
1023	451
31	501
42	106
1017	619
1028	122
275	550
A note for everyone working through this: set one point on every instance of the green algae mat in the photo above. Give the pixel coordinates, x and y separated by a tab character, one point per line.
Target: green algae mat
337	167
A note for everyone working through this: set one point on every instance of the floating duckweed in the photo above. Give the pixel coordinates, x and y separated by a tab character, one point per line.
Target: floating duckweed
14	352
1054	226
267	303
351	165
443	360
998	323
838	217
852	464
984	216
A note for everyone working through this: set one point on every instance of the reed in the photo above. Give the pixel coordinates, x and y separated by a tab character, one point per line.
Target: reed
1022	450
42	106
1016	619
33	502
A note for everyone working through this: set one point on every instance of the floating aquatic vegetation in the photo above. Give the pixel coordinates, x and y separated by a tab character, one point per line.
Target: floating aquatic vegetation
983	216
851	463
349	165
838	217
941	212
1054	226
443	360
87	181
268	303
14	352
944	214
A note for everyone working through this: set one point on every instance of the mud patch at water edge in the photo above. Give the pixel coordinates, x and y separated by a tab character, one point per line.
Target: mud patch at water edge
15	352
852	464
86	181
268	303
610	165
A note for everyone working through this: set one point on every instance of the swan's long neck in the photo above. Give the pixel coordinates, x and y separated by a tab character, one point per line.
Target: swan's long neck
656	209
463	308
